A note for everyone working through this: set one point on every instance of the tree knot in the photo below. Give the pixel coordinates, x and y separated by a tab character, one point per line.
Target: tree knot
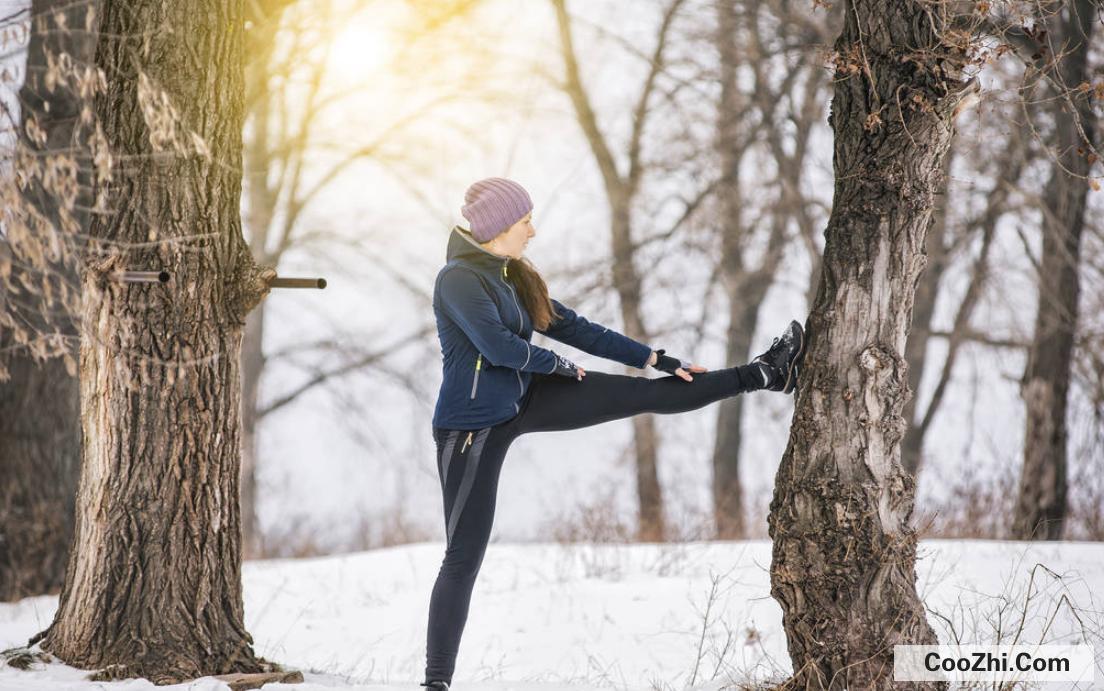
254	286
877	357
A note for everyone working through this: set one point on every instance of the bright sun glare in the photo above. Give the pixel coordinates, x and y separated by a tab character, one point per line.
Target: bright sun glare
359	49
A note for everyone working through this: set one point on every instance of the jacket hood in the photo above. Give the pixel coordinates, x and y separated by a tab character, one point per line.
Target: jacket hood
462	245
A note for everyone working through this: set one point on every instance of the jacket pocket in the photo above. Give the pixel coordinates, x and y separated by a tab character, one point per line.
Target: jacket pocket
475	379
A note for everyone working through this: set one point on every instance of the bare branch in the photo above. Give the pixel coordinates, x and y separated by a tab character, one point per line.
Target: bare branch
321	377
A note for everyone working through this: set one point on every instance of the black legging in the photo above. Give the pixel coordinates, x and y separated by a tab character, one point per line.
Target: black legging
468	464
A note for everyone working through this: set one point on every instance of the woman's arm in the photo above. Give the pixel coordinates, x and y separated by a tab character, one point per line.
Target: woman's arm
464	300
576	331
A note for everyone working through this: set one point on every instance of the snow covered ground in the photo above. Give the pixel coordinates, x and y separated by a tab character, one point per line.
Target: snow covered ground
546	616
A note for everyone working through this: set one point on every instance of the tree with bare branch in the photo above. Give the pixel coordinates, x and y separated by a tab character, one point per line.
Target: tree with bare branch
843	567
154	588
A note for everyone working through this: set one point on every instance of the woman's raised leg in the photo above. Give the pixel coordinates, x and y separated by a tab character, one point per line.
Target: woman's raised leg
561	403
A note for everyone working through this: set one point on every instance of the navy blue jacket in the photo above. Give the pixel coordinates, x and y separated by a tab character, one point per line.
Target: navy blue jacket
484	331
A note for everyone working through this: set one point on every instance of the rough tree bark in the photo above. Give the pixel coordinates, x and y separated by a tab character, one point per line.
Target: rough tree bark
843	566
155	588
39	405
1041	503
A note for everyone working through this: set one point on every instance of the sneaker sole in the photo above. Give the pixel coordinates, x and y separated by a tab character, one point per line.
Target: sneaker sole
791	380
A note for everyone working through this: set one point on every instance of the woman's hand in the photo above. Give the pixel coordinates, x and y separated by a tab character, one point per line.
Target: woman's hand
672	365
696	369
567	368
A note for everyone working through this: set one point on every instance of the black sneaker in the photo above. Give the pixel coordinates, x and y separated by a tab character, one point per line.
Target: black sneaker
436	685
779	364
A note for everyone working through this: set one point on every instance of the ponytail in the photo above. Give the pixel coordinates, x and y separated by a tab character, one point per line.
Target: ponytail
533	291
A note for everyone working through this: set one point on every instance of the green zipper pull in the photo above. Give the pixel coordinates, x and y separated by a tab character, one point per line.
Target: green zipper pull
504	274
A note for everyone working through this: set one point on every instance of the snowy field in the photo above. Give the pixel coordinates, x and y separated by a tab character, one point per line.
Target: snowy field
546	617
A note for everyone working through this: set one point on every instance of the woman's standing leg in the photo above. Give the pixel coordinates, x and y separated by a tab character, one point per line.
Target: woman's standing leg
562	403
468	464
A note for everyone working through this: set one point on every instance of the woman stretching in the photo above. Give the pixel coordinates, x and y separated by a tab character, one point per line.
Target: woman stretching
488	301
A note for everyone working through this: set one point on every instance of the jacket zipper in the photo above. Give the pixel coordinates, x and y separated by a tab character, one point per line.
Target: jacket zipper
521	326
475	380
467	443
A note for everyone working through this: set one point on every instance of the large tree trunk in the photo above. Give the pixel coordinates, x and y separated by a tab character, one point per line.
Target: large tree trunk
39	411
1041	505
155	588
844	556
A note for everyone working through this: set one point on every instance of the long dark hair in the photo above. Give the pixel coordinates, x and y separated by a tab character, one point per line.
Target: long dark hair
533	292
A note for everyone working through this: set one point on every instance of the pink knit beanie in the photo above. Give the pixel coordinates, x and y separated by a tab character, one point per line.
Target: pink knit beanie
492	205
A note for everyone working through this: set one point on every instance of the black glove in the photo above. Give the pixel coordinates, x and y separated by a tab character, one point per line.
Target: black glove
668	364
565	367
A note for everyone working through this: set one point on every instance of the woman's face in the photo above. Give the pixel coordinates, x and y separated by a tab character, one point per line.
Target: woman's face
512	242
